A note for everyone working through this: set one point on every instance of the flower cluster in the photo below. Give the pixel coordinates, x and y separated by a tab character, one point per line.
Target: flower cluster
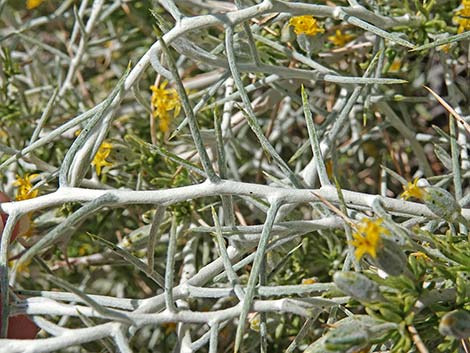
99	161
25	187
305	25
462	17
367	238
164	101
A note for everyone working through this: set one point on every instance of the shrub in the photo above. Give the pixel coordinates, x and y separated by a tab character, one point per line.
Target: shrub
257	175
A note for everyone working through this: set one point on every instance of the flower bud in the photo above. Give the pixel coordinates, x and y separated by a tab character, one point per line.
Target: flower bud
391	259
354	333
456	324
357	286
441	203
347	336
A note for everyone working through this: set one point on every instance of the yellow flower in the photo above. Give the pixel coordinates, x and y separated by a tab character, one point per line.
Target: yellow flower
23	268
25	187
339	38
445	48
169	327
99	161
163	102
311	280
367	238
255	322
305	25
395	66
84	249
462	17
329	168
421	255
3	134
412	190
32	4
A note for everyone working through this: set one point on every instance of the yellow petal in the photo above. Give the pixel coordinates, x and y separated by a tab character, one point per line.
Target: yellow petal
32	4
